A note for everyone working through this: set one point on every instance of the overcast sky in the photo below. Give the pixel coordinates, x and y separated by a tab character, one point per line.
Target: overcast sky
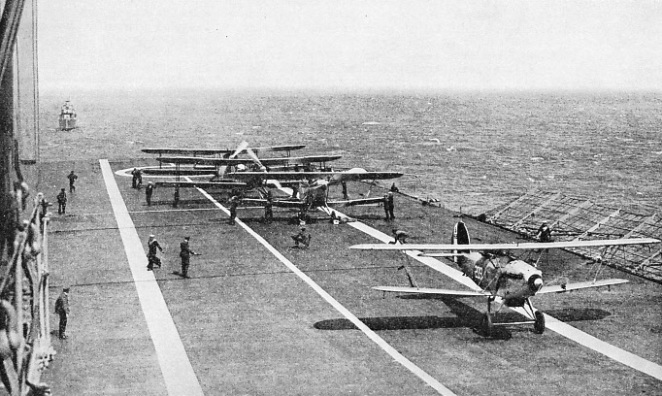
373	44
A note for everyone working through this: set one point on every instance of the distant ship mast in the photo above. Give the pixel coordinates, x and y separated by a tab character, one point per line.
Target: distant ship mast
67	117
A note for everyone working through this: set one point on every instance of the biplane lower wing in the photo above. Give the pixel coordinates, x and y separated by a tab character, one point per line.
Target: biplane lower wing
432	291
580	285
356	202
305	176
279	203
179	172
511	246
201	184
179	151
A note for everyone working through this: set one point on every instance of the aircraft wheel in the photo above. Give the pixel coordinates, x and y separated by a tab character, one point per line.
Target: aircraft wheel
486	324
539	325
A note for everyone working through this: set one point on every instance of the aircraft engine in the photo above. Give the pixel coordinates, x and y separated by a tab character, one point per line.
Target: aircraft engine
535	283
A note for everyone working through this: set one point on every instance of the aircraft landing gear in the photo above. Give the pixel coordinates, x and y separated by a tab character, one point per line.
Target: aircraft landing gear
486	324
539	324
538	318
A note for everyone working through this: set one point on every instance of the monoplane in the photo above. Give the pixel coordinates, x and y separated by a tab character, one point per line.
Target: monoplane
499	278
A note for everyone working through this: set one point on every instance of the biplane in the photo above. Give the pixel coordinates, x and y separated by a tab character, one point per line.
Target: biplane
199	163
257	174
500	279
310	190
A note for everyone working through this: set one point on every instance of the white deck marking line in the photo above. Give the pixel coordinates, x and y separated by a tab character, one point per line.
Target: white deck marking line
622	356
427	378
178	374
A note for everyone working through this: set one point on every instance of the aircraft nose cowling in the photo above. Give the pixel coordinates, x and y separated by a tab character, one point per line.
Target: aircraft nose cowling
535	283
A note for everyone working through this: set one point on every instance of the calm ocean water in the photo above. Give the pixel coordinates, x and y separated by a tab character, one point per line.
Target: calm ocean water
471	151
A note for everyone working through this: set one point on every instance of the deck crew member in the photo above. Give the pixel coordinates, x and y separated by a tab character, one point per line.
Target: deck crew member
301	237
62	309
234	201
134	178
139	178
149	190
185	254
345	195
388	206
152	258
400	236
72	179
544	233
175	201
62	202
268	208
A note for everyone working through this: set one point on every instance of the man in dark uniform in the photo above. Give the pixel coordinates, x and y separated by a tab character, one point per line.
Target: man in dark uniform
62	202
185	254
544	233
268	209
72	179
388	206
152	258
234	201
134	178
345	195
301	237
176	198
62	309
400	236
139	178
149	190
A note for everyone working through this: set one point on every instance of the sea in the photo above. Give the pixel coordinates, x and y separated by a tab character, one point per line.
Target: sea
471	151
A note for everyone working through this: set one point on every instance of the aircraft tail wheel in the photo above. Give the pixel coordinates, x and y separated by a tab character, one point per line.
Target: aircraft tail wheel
539	325
486	324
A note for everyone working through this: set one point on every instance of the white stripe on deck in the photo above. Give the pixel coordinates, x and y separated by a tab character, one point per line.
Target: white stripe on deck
627	358
427	378
178	375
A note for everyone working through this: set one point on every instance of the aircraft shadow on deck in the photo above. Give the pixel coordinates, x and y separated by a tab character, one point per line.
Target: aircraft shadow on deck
465	316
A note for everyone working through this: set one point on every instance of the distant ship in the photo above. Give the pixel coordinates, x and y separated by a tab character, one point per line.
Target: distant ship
67	117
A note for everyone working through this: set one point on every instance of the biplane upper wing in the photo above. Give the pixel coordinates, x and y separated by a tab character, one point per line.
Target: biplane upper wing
580	285
243	161
438	292
201	151
511	246
304	176
290	147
